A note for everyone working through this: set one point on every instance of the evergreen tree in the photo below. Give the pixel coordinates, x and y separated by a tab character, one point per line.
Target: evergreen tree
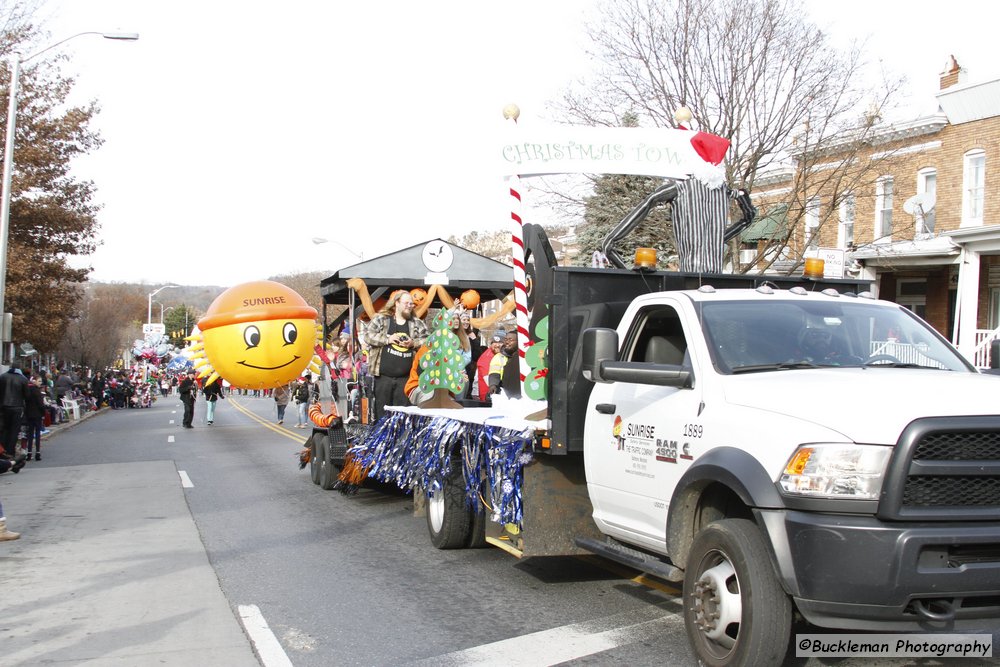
614	197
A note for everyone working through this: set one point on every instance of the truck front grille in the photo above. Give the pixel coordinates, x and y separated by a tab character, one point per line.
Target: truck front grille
945	468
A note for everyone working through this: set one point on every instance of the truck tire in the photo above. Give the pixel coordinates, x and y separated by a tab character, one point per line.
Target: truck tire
477	529
735	610
314	463
327	473
448	519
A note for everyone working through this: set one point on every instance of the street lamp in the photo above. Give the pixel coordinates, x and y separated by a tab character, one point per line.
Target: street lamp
318	240
8	154
149	307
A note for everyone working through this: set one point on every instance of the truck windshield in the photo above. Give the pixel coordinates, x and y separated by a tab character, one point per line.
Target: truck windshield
748	337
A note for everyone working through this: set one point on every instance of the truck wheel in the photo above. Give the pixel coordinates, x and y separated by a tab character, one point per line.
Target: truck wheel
314	463
327	473
735	610
448	518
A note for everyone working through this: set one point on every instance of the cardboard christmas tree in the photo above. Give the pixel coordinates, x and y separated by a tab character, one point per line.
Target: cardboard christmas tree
442	370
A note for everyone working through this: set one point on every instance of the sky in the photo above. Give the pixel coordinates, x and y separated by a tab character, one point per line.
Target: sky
237	132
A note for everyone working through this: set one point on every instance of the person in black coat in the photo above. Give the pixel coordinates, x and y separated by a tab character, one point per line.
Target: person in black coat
13	396
188	390
34	410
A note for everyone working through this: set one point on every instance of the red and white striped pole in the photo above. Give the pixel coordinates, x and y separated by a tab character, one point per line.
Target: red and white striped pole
511	113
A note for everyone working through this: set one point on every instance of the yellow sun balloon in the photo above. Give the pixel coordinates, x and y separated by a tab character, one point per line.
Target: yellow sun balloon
256	335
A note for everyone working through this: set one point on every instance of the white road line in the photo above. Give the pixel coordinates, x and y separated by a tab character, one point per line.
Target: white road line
171	421
170	438
267	645
185	480
569	642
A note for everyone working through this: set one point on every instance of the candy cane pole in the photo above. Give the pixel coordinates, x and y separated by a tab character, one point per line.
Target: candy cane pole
511	113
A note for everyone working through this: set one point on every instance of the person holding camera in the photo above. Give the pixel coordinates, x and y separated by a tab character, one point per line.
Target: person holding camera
393	336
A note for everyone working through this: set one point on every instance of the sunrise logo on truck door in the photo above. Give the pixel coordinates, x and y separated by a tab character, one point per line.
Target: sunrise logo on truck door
616	431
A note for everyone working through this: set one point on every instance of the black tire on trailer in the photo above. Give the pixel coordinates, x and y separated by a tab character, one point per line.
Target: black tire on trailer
477	530
735	610
448	518
314	463
327	473
477	524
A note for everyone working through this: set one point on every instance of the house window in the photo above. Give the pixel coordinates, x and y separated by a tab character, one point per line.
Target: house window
912	293
973	187
812	223
927	186
994	314
845	232
883	210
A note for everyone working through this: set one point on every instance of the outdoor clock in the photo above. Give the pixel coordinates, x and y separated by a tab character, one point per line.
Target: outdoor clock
437	256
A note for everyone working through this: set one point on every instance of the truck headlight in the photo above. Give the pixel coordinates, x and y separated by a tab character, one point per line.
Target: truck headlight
836	471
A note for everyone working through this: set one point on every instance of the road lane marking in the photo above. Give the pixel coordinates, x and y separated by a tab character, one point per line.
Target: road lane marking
171	421
569	642
268	647
170	438
291	435
185	480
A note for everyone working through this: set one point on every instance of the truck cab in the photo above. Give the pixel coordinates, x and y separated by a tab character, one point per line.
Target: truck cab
820	449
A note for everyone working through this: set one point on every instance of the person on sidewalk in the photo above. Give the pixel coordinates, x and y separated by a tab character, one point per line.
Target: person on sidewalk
34	411
5	534
188	389
13	396
212	392
281	394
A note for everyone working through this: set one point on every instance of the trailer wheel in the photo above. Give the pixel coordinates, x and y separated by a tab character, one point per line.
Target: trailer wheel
327	473
448	518
314	462
735	610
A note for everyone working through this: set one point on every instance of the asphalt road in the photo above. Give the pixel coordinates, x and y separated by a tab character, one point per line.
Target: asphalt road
355	581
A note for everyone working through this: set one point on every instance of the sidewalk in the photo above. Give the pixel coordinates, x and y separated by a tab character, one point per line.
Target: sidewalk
110	570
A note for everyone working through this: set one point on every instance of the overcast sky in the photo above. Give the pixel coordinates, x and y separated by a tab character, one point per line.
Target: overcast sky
235	132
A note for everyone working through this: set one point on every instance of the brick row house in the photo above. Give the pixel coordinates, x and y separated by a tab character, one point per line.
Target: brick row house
920	218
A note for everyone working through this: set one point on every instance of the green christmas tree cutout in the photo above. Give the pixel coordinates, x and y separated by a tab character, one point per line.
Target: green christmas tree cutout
442	366
536	382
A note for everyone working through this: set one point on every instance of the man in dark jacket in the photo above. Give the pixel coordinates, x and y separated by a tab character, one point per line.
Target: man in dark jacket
188	390
13	395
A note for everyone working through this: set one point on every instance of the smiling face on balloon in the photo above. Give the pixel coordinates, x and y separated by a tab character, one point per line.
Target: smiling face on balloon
259	335
265	353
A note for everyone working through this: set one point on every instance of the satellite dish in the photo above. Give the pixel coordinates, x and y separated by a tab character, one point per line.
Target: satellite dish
27	349
920	204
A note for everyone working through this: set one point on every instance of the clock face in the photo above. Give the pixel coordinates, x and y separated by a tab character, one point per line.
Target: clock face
437	256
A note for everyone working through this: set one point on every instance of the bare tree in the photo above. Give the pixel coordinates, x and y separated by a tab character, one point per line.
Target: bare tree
756	72
107	320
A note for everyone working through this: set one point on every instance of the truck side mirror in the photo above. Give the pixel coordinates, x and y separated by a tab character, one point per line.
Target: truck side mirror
599	345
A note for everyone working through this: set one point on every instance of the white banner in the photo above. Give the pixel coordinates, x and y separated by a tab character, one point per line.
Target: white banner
638	151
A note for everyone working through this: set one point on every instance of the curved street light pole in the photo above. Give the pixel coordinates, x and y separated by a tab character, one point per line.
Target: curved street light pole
8	153
318	240
149	306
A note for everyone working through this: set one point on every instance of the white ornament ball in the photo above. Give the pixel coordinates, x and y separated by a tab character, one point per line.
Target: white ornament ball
511	111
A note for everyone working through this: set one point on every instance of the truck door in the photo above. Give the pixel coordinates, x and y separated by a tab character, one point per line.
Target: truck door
636	434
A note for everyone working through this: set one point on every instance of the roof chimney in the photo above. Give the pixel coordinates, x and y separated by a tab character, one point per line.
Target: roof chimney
952	74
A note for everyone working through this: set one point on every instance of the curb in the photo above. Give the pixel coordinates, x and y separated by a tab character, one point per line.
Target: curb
55	429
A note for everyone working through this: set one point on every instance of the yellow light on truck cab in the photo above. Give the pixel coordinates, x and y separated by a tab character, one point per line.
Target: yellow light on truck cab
546	443
813	268
645	258
797	464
